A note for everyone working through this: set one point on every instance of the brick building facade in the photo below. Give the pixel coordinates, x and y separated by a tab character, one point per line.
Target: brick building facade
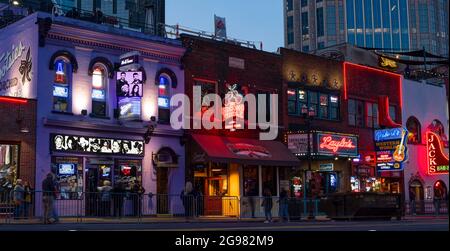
18	130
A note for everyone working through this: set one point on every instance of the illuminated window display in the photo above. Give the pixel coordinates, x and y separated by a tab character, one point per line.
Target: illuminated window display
69	175
81	144
129	91
414	128
99	91
128	172
164	99
61	85
9	159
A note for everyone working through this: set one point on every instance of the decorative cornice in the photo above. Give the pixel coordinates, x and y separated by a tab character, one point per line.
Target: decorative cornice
87	38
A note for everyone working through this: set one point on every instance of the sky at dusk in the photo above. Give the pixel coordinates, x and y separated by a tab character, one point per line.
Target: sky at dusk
253	20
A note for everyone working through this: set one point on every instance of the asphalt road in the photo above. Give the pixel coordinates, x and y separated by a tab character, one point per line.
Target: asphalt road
405	225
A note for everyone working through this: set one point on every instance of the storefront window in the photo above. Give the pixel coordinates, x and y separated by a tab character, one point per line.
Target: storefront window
291	181
99	91
269	179
69	176
9	160
61	85
329	183
251	181
128	172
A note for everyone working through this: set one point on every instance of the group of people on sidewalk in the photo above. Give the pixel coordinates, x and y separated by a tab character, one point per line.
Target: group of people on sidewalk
113	198
22	199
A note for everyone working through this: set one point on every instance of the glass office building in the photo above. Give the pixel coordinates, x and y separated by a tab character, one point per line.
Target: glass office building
386	24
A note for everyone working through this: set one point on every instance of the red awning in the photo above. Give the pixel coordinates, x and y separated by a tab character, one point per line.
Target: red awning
245	151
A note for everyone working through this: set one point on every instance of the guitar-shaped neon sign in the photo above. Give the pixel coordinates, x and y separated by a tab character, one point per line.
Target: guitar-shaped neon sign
399	154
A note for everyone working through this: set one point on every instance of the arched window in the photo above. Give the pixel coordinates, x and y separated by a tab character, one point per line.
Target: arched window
99	90
164	85
62	83
414	129
440	190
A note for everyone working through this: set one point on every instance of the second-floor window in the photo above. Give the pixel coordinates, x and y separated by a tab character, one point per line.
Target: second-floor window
325	106
99	91
164	99
355	113
207	88
62	82
372	115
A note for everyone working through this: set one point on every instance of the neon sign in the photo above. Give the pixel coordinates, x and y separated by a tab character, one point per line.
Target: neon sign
390	147
234	109
436	160
332	144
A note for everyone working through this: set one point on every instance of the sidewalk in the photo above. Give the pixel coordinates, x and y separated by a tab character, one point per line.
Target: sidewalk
426	217
149	220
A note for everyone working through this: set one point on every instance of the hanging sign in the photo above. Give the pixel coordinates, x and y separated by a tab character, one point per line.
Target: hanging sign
391	150
338	145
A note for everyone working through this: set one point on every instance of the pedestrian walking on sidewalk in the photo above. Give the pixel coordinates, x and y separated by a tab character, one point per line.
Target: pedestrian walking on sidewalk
267	203
48	198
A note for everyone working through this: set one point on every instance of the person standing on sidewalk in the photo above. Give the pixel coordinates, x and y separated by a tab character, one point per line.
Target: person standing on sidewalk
105	198
284	203
137	191
412	199
437	201
19	199
28	199
48	198
118	197
267	203
187	198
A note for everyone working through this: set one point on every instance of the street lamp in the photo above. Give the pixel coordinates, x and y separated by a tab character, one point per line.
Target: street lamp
308	115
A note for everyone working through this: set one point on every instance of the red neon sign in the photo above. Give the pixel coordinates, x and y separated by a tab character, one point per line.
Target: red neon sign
13	100
328	143
436	160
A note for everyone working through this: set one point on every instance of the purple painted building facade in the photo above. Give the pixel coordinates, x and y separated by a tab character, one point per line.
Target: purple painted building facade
90	128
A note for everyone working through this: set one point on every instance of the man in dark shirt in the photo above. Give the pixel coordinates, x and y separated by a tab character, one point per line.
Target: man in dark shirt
48	199
123	88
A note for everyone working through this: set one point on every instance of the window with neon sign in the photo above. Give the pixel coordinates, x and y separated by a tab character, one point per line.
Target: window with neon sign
99	91
61	85
164	99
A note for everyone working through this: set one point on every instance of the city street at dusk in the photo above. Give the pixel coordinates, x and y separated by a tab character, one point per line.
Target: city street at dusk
199	117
